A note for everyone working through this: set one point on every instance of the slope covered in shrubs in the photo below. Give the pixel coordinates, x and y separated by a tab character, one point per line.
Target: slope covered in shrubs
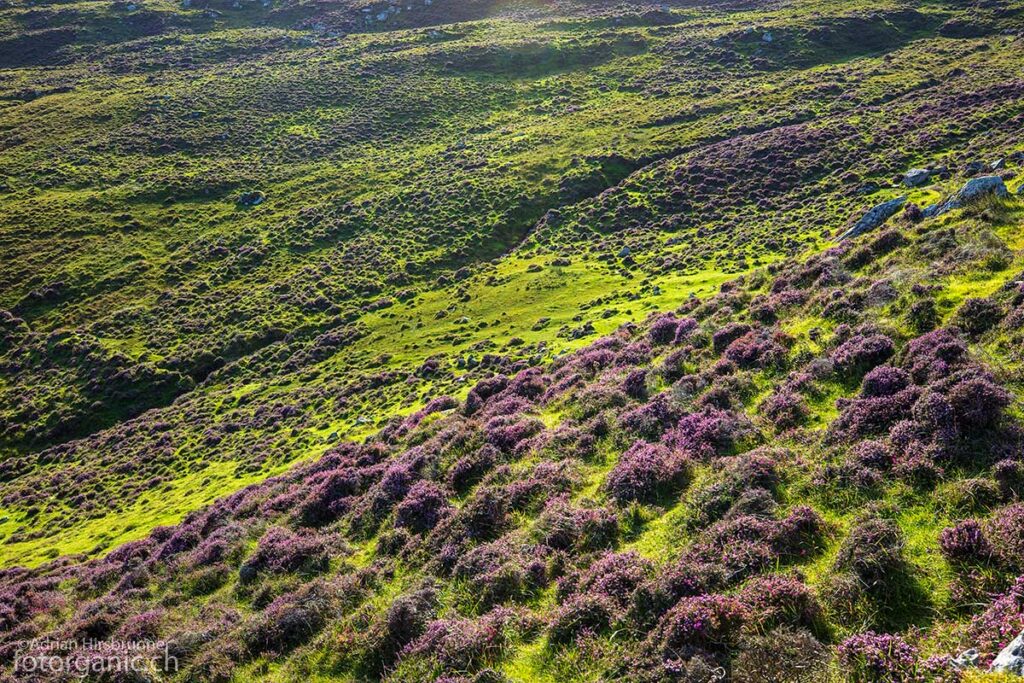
799	463
237	233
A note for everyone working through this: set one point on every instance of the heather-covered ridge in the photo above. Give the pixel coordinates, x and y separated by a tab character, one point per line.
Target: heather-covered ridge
235	234
815	472
500	340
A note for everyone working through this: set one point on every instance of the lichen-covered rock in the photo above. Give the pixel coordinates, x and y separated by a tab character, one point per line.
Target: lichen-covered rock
1011	659
972	190
916	176
875	217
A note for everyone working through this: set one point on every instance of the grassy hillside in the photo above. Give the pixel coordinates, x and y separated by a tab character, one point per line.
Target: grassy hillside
418	277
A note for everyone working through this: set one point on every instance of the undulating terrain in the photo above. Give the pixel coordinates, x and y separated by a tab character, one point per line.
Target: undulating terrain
495	341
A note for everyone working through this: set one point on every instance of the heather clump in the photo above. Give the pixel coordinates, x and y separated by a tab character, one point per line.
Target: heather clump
860	353
709	432
755	349
775	601
872	657
563	526
646	473
650	420
281	550
501	571
456	645
704	623
785	409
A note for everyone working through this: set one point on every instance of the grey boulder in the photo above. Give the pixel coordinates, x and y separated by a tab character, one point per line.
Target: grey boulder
875	217
916	176
972	190
1011	659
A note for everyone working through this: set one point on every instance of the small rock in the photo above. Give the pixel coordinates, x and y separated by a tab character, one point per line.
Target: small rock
1011	659
968	659
624	252
875	217
253	198
767	37
916	176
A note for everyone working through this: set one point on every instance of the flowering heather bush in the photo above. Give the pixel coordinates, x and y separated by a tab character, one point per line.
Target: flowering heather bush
704	622
663	329
877	658
935	355
1000	623
918	468
709	432
614	576
756	468
977	316
773	601
785	409
684	330
859	354
281	550
483	517
965	543
867	417
1005	531
581	614
218	546
884	380
742	544
596	398
530	384
933	411
800	533
288	621
470	469
755	349
545	481
978	403
635	384
563	527
1009	474
511	406
589	362
650	420
646	472
726	335
507	434
330	496
657	595
871	454
501	572
459	645
422	508
873	551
